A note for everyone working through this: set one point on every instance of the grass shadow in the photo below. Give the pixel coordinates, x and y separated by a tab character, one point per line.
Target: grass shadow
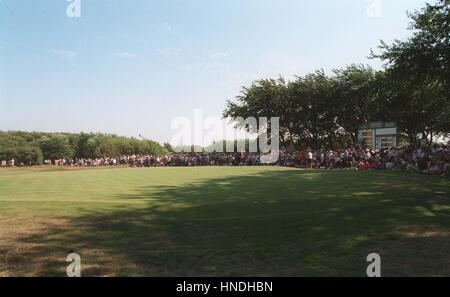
275	223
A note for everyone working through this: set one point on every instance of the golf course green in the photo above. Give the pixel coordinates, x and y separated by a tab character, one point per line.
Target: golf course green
222	221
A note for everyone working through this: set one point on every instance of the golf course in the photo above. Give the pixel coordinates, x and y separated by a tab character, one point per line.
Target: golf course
222	221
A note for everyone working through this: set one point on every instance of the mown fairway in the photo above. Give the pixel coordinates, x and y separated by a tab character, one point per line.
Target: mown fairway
221	221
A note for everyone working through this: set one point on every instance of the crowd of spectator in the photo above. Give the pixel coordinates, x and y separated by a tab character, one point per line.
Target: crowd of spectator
433	160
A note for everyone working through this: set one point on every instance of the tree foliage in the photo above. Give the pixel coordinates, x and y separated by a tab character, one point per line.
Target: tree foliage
320	110
315	110
418	73
31	148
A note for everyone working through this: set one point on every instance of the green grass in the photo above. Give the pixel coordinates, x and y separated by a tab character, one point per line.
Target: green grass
222	221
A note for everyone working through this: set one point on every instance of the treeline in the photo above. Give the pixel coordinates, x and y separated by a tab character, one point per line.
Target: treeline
32	148
216	146
412	90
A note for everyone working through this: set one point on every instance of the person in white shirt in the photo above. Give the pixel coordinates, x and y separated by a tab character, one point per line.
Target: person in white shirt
309	157
368	155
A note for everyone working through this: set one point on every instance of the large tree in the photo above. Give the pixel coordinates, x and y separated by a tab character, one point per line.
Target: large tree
315	110
312	110
264	98
418	72
355	90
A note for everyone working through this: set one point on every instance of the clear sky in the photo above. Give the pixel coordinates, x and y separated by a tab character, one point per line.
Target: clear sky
131	66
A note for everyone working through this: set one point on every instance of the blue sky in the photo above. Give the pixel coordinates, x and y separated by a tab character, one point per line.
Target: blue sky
131	66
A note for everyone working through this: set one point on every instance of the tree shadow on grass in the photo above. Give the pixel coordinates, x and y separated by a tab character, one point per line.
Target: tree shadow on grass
275	223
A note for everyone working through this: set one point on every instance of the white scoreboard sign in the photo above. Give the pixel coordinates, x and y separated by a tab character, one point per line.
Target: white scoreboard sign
378	135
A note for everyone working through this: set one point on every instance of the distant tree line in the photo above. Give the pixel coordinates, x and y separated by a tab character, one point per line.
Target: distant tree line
215	147
319	110
32	148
